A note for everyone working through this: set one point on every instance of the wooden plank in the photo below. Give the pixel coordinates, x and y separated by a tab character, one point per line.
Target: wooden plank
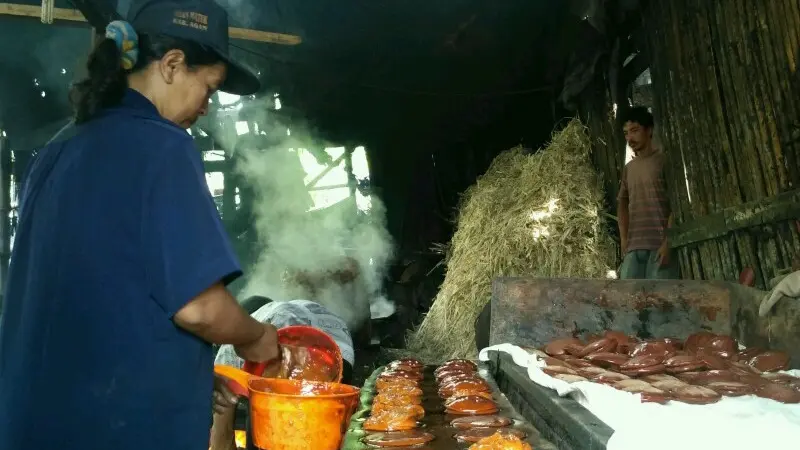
701	229
73	15
782	207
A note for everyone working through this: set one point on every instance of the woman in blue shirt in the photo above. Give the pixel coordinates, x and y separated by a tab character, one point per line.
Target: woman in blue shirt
116	286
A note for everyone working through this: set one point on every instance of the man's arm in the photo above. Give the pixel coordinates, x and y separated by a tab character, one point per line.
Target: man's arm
623	216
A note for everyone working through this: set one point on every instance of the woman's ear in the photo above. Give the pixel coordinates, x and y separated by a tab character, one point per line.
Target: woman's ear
170	64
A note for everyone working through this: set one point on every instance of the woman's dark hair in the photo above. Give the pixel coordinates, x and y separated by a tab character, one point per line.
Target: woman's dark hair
106	82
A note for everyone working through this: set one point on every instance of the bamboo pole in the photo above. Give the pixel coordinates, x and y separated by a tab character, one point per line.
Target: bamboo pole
774	102
763	102
75	16
784	21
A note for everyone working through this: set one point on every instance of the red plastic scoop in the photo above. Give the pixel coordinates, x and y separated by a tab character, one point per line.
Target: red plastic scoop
318	350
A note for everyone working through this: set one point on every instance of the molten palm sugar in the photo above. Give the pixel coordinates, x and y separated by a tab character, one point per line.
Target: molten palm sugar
712	360
697	340
658	377
684	363
455	373
770	361
385	383
696	395
602	345
400	418
659	348
609	377
669	385
490	421
779	393
400	389
748	353
470	405
556	348
570	378
399	439
781	378
579	363
607	359
722	344
575	350
499	442
557	370
394	374
590	372
476	434
464	364
651	370
550	361
450	379
410	362
731	388
486	395
472	385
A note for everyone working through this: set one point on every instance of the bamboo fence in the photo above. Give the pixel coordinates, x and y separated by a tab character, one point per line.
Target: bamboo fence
726	94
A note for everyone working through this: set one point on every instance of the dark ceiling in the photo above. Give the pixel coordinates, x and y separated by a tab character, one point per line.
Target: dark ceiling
365	68
417	82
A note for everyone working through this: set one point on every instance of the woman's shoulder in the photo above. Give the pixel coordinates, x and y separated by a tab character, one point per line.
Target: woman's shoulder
146	133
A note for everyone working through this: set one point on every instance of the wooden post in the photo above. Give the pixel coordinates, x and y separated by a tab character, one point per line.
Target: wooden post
5	210
228	190
99	15
352	182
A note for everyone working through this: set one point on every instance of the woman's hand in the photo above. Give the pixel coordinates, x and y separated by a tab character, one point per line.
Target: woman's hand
223	436
224	399
263	349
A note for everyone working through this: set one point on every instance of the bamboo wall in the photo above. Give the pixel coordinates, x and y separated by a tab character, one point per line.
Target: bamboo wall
726	98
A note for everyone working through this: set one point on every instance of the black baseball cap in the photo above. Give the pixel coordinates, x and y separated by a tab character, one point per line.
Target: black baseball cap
200	21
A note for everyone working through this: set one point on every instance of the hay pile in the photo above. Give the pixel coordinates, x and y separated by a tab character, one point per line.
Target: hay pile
535	215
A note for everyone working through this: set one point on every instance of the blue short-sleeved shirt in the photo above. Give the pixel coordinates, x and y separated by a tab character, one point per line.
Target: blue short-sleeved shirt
117	232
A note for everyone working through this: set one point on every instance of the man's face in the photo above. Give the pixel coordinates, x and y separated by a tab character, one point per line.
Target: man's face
637	136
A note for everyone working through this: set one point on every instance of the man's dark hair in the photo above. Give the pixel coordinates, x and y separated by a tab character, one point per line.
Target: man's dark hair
254	303
637	114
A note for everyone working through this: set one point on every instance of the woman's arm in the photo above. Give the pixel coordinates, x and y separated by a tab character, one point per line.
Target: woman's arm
222	433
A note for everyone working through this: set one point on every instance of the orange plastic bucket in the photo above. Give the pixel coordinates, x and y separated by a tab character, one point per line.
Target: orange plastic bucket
320	346
294	414
300	415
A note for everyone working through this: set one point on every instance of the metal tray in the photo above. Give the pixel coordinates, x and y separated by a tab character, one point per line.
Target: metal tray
436	421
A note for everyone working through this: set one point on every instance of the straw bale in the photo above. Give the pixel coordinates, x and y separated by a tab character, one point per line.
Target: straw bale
536	215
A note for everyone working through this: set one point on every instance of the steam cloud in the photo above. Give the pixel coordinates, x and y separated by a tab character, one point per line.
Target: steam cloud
293	239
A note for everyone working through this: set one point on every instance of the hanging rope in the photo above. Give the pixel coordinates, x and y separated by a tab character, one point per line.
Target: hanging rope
47	11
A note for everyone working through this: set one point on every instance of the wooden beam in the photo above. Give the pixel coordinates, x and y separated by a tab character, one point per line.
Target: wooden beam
634	68
75	16
783	207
